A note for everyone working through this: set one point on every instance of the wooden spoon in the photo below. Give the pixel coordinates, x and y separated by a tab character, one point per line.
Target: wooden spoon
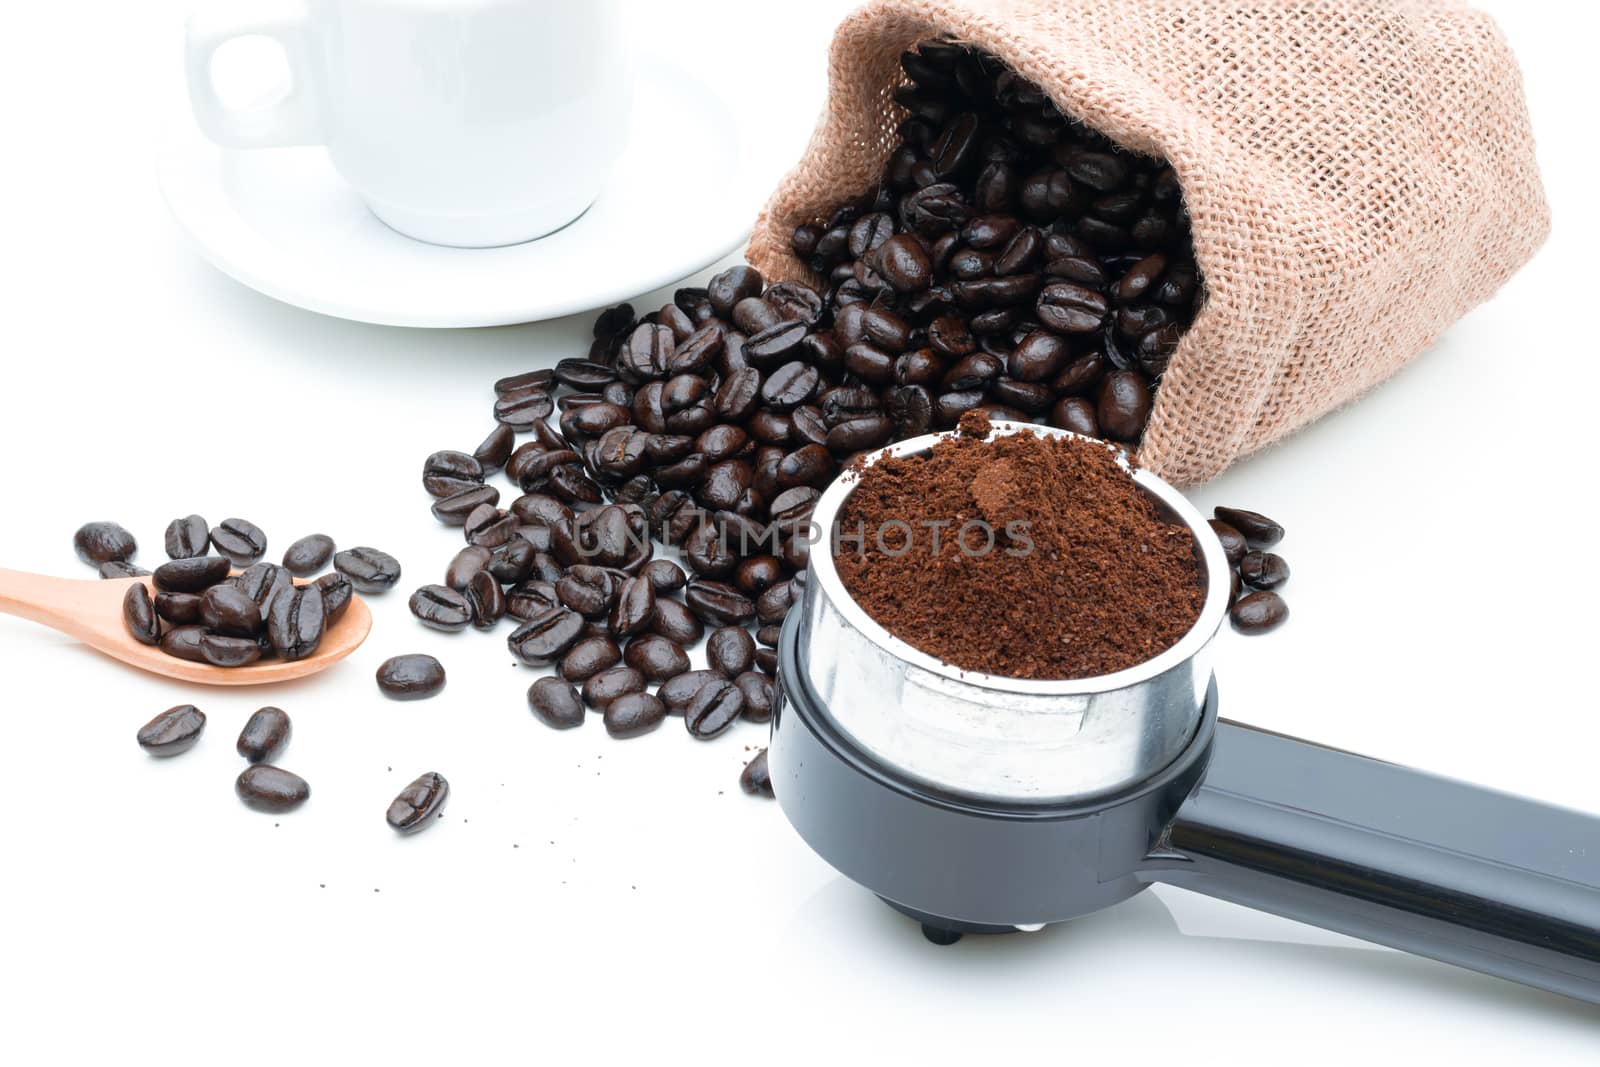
91	611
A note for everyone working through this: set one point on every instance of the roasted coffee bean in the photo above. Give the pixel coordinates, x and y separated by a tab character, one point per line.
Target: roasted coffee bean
730	650
183	642
860	435
545	637
774	603
1068	308
265	735
731	286
540	509
261	582
767	660
1081	375
446	473
634	609
529	598
454	509
226	609
522	408
188	537
466	563
601	689
715	706
103	542
759	694
240	540
487	600
496	448
308	555
769	635
368	569
1235	587
789	386
904	263
139	615
1124	405
1263	570
589	590
570	483
418	804
675	622
116	568
655	657
336	592
1038	357
811	465
555	703
771	346
441	608
297	619
589	657
756	778
1258	530
410	677
911	407
1077	414
718	603
632	714
191	575
1234	545
264	787
222	651
173	731
1258	613
179	609
665	576
489	526
533	379
583	375
677	691
756	574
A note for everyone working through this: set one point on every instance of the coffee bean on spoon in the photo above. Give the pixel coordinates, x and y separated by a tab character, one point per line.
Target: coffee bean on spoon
270	789
183	642
173	731
116	568
103	542
441	608
261	582
555	703
191	575
336	592
756	779
265	735
368	569
632	714
178	609
1259	613
419	804
188	537
410	677
226	609
220	650
139	615
296	621
308	555
240	540
1258	530
1263	570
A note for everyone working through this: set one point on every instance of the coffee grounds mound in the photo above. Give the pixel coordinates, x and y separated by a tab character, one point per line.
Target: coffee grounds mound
1084	578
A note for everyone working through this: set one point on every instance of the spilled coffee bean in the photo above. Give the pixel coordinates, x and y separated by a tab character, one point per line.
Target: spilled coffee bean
265	735
270	789
418	804
173	731
410	677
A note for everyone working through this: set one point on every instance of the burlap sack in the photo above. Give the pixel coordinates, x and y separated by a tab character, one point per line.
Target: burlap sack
1359	174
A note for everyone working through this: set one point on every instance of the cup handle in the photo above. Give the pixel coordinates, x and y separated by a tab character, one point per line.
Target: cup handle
291	121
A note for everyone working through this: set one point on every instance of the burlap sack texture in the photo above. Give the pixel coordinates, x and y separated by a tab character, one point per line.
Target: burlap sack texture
1359	173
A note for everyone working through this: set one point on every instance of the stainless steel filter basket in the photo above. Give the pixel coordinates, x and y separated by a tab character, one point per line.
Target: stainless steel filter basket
998	739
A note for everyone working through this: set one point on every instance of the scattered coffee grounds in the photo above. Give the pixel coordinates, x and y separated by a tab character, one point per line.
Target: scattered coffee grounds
1050	562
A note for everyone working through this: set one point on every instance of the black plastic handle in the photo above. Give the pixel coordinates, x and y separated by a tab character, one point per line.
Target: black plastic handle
1445	869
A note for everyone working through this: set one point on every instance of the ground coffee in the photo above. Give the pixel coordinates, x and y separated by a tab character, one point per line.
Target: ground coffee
1023	556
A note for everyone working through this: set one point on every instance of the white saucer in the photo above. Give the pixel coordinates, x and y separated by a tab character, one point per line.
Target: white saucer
283	222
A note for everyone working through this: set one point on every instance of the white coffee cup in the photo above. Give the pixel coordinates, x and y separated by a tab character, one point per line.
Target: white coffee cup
471	123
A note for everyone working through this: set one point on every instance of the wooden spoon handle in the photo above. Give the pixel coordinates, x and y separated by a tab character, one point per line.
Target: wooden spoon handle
65	604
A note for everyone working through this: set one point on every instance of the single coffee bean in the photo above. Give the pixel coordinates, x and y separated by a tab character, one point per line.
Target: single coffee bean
179	609
1124	405
419	804
635	607
730	650
1263	570
449	472
544	638
308	555
466	563
265	735
759	695
1077	414
514	561
589	657
773	604
173	731
756	779
496	448
489	526
441	608
522	408
543	378
103	542
632	714
183	642
769	635
655	657
767	660
676	623
453	510
601	689
188	537
336	592
227	609
191	575
1258	530
590	591
486	599
665	576
716	706
719	603
677	691
222	651
1258	613
555	703
410	677
369	570
240	540
274	790
261	582
296	621
139	615
1234	545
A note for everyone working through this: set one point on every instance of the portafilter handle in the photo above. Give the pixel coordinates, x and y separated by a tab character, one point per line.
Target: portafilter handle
1444	869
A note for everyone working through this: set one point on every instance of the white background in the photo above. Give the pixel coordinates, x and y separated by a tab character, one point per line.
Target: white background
586	898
